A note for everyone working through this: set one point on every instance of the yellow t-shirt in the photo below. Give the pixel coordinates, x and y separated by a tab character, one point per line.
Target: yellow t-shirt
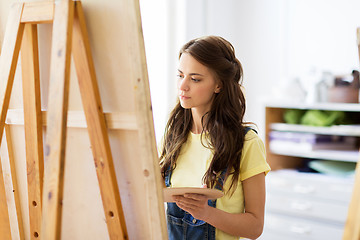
194	160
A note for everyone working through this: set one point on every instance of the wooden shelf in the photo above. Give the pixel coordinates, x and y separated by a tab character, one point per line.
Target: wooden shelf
285	158
339	130
346	156
347	107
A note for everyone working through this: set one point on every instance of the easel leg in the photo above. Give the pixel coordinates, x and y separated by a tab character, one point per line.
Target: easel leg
8	59
358	41
33	125
352	225
97	128
56	119
8	62
4	213
12	189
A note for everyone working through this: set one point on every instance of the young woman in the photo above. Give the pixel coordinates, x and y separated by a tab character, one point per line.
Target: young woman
207	144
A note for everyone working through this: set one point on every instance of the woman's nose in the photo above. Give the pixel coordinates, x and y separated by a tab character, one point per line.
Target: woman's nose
183	84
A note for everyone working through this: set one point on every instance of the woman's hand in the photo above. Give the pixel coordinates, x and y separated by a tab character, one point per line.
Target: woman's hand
195	204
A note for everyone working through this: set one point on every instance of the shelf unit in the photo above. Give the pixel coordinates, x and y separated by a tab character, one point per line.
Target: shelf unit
306	205
291	159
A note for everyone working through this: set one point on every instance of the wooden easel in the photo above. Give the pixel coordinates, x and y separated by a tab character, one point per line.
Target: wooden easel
352	226
69	36
12	201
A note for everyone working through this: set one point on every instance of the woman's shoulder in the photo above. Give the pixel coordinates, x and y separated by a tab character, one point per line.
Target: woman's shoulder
252	139
251	134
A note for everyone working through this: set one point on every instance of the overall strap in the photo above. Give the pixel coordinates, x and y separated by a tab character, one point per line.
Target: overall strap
248	129
168	176
220	182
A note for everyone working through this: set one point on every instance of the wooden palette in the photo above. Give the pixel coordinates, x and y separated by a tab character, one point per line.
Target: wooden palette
208	192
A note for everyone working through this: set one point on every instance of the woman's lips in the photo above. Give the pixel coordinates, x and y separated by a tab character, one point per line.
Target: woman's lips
184	97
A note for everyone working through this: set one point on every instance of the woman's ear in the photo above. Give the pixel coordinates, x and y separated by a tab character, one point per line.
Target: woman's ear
217	89
218	86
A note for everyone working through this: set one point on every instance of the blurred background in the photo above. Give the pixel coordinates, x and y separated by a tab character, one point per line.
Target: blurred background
301	79
276	41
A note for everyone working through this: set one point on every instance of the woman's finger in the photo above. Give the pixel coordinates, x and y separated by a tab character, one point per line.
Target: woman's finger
185	206
187	202
192	201
198	197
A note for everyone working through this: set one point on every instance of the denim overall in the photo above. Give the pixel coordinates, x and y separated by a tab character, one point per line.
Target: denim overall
181	225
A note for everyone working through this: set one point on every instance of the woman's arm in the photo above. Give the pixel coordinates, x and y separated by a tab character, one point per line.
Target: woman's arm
248	224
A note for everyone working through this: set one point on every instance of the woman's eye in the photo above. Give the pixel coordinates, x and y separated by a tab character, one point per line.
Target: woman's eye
195	80
180	76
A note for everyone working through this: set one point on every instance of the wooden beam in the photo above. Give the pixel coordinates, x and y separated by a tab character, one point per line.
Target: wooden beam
38	12
57	116
97	130
33	126
12	189
8	62
358	41
8	59
352	225
5	231
76	119
149	163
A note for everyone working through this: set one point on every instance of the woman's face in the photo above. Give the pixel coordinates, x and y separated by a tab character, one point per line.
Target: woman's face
196	84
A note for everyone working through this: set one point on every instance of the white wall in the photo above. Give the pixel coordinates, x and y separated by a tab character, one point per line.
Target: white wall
280	39
256	29
155	25
322	33
164	34
275	41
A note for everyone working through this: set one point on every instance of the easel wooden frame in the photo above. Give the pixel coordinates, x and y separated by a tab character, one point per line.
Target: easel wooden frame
352	226
68	29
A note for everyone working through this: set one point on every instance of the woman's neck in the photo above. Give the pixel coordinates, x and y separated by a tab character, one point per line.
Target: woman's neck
197	115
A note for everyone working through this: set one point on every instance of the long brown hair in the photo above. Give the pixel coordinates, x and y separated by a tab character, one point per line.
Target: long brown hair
223	123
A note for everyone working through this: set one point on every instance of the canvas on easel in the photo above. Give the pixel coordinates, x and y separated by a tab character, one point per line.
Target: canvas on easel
71	194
